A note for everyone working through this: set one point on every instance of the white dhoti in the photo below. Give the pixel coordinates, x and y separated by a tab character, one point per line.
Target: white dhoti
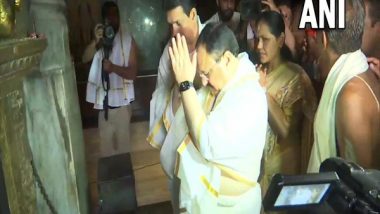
248	202
176	131
219	164
211	188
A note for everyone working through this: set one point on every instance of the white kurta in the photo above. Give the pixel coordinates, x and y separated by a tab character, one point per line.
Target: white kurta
345	68
121	91
231	139
233	23
175	135
177	130
160	97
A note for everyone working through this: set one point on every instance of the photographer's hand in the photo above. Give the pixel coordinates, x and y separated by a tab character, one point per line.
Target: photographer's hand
90	50
98	33
107	66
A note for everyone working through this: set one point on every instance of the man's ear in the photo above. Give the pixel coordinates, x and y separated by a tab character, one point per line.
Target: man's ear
325	41
193	14
227	57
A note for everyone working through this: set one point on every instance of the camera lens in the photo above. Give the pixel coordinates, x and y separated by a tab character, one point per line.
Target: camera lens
109	32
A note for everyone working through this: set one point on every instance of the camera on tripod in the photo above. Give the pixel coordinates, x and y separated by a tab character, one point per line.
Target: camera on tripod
341	186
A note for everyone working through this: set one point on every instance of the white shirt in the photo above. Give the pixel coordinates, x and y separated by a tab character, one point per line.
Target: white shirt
232	137
121	91
243	111
165	81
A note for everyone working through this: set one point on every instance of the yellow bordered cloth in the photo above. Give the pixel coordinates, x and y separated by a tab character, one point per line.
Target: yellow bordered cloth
168	116
121	91
201	179
157	135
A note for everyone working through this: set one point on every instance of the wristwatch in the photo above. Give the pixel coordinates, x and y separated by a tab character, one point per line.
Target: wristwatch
185	85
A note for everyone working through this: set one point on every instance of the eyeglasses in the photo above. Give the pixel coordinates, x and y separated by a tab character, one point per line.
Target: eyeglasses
207	74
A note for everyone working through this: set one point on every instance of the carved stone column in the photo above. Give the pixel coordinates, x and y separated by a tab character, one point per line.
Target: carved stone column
39	115
18	58
57	142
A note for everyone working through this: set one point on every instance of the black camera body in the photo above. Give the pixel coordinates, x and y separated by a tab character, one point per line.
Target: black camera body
358	191
107	44
341	186
108	37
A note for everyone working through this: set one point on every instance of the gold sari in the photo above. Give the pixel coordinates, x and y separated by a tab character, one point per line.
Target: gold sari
291	88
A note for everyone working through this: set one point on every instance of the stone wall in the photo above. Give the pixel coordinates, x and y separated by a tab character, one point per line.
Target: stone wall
39	114
62	151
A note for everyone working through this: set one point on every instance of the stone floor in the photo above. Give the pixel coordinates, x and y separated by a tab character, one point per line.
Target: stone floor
150	181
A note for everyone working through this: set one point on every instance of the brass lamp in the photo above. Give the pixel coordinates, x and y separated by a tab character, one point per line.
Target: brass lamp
7	17
18	4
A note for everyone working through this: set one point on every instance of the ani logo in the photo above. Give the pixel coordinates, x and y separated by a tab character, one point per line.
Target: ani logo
327	12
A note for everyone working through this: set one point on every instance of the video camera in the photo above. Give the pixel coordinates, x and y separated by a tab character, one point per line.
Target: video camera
340	187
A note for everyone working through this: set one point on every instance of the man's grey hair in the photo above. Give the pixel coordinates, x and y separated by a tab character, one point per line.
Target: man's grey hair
217	39
349	39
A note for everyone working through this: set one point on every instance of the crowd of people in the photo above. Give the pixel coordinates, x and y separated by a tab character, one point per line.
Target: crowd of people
247	95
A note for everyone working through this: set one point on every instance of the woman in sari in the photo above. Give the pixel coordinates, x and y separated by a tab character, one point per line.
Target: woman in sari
291	102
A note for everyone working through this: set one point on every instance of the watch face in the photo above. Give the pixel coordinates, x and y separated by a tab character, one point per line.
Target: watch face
183	86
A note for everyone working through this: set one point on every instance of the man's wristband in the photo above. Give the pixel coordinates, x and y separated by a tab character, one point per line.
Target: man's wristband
185	85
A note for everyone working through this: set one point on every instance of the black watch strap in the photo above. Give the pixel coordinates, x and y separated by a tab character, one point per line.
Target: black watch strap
185	85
